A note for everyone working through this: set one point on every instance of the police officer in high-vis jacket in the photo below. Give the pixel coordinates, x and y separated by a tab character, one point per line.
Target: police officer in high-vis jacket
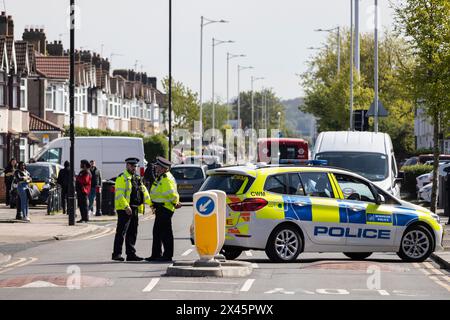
165	199
131	195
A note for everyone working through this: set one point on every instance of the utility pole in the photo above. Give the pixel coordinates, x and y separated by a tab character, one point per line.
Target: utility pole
351	65
357	41
229	57
71	198
376	67
170	80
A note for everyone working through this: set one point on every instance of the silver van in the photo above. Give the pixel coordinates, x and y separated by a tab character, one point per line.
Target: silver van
368	154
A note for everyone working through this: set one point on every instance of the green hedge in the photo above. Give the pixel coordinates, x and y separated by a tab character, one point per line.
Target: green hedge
154	146
411	173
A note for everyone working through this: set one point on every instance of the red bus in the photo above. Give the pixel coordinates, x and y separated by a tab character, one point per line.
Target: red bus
290	150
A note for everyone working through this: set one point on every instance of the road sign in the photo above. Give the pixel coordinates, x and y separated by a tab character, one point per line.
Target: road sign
382	112
209	223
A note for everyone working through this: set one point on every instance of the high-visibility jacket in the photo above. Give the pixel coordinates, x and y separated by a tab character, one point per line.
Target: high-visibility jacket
123	191
164	191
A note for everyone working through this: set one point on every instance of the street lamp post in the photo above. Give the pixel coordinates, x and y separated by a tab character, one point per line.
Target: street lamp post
229	57
253	101
170	80
376	67
240	68
351	65
204	22
338	34
71	197
215	43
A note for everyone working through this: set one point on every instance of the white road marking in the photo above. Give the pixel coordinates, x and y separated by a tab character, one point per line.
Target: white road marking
21	263
279	290
203	282
247	285
255	266
187	252
14	263
248	253
151	285
432	268
196	291
439	282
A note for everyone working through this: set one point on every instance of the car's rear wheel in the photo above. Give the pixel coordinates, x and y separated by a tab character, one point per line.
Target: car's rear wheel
231	253
417	244
284	244
358	255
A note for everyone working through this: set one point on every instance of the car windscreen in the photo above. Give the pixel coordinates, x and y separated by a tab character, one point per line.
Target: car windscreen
372	166
228	183
39	173
187	173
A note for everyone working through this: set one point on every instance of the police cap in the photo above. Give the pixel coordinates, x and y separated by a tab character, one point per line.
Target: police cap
134	161
163	162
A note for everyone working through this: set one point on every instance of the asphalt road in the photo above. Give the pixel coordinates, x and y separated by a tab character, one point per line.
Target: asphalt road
81	269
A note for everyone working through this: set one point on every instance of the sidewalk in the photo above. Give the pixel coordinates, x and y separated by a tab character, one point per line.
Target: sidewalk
443	257
42	226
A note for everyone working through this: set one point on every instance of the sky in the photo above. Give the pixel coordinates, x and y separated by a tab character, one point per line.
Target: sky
274	36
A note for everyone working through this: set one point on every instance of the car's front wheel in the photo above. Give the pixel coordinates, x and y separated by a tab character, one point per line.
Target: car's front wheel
358	255
230	253
417	244
284	244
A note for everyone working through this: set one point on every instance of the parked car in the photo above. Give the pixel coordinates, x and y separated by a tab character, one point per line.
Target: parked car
424	182
368	154
190	178
423	158
410	162
213	162
109	153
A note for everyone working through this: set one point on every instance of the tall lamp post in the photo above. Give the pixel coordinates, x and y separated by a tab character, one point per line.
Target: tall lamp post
170	80
215	43
204	22
253	101
338	34
376	67
240	68
71	200
229	57
351	65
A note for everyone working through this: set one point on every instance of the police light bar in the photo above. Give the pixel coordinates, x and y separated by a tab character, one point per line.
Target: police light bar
304	162
317	162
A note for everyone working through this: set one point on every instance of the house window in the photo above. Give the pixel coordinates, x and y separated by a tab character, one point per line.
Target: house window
23	94
2	89
59	105
50	104
23	149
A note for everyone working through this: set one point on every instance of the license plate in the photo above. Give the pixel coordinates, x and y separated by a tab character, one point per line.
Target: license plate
185	187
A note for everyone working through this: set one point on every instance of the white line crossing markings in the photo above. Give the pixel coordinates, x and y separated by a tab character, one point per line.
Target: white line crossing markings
255	266
247	285
151	285
187	252
203	282
195	291
435	275
17	264
248	253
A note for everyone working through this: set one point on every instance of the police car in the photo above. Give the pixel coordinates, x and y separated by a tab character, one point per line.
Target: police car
286	210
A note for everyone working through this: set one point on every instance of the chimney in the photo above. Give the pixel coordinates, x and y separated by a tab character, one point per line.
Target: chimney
153	82
121	72
37	38
55	49
3	24
10	26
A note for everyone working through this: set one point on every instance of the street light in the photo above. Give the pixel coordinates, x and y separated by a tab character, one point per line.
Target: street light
229	57
253	101
240	68
71	197
204	22
215	43
338	31
279	120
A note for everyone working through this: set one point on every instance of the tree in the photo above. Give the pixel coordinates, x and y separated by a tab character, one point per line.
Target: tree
327	93
184	105
426	26
274	106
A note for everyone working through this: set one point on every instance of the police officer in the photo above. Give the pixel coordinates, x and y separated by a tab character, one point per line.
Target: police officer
165	199
131	194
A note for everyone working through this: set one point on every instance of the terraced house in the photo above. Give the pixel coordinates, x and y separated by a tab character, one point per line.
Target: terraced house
34	94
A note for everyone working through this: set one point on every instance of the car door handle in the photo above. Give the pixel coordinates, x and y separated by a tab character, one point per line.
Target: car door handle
356	208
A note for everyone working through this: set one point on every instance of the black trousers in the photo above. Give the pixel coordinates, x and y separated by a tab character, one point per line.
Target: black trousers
162	233
8	190
83	204
127	229
64	200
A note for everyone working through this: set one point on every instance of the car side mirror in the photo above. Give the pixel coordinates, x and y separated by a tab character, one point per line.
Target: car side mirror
381	199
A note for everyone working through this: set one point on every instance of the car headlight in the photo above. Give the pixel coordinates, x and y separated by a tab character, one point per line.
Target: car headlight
436	217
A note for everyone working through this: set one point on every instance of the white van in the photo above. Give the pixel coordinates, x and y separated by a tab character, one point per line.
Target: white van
109	153
369	154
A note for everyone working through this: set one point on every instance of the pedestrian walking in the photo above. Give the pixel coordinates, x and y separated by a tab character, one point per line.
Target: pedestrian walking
9	177
64	183
149	175
22	178
95	193
131	195
165	199
83	187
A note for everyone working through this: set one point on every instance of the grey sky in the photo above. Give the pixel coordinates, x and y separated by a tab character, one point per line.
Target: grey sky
273	34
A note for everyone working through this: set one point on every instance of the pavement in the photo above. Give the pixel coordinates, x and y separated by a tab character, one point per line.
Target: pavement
443	257
81	268
44	227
